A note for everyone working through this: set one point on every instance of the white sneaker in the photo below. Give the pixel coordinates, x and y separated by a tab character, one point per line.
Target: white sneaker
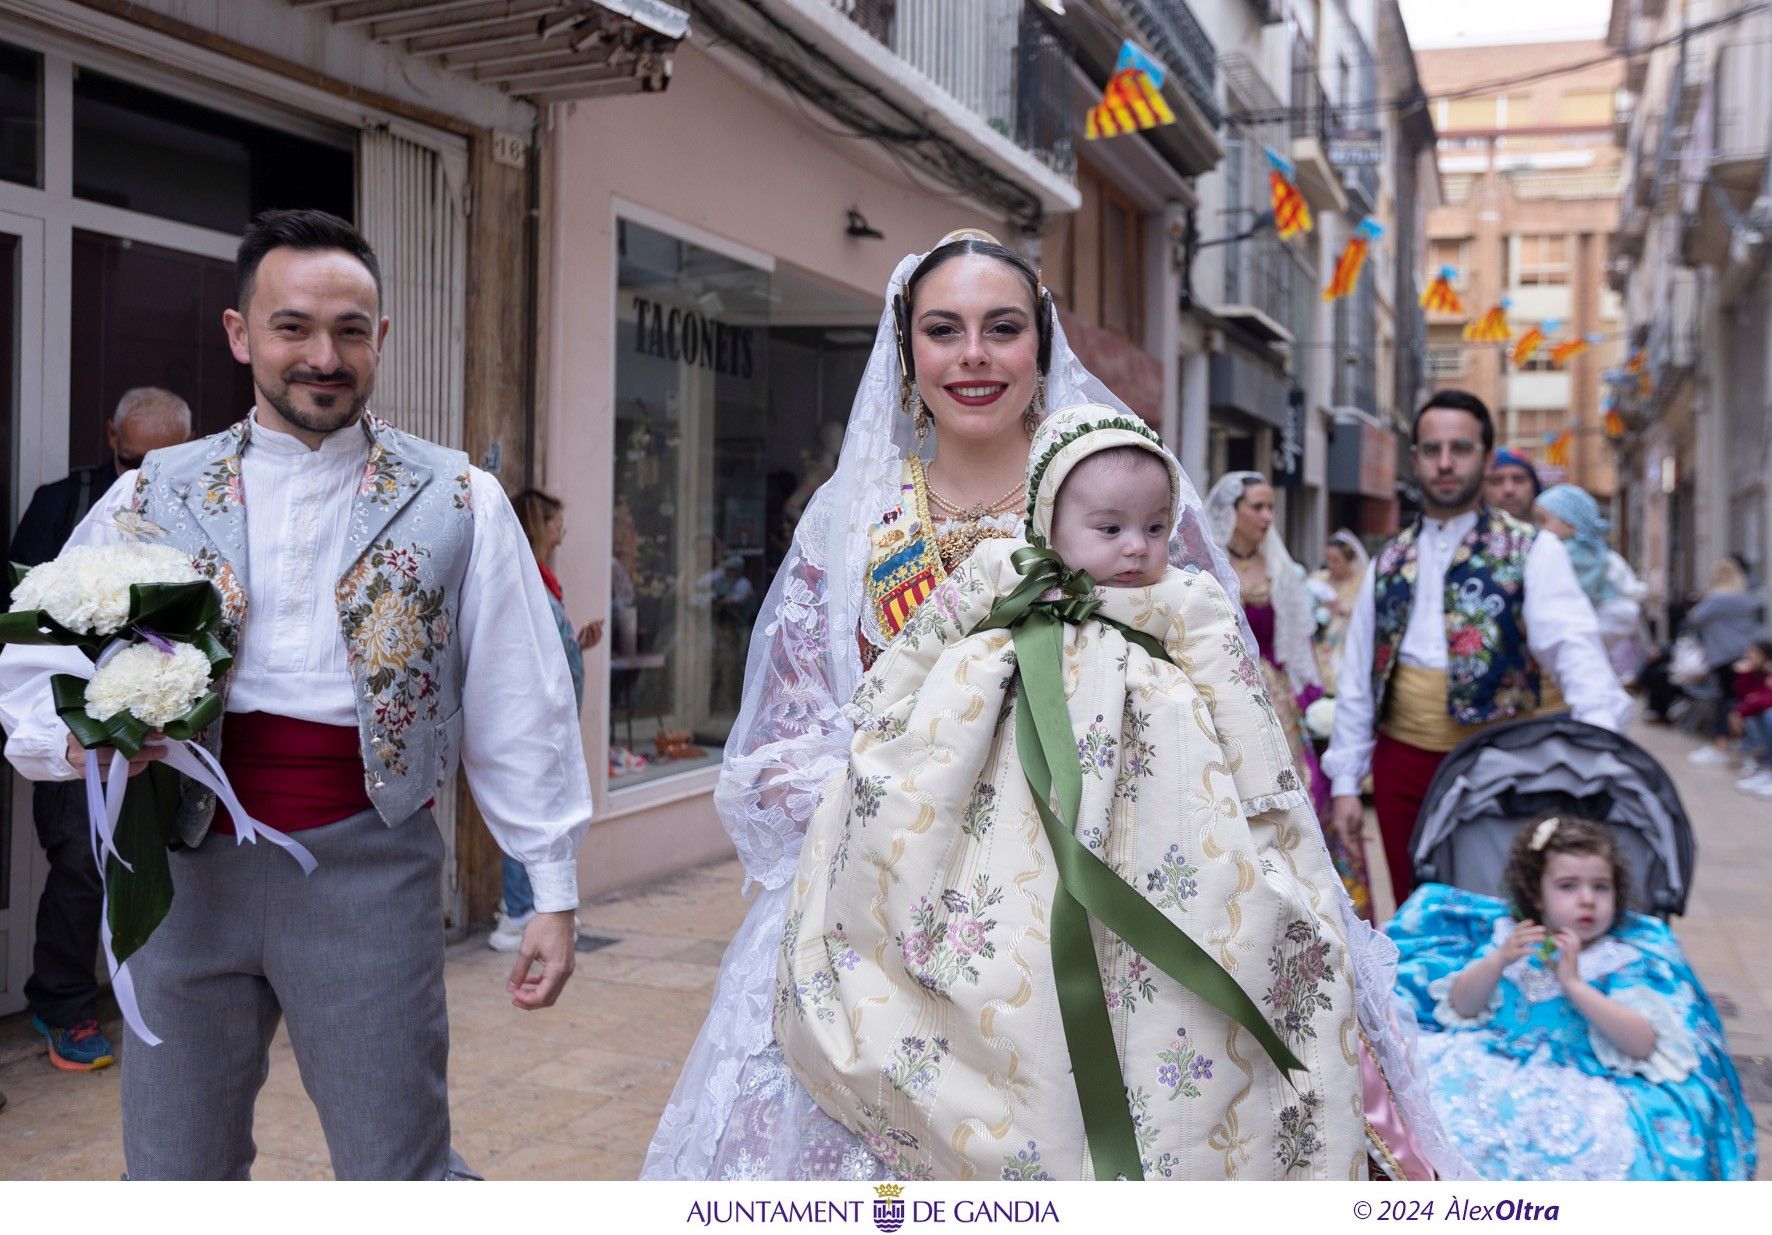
1754	777
1707	757
507	932
1760	786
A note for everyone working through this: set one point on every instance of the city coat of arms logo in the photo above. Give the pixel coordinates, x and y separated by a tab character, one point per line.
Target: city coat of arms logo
889	1207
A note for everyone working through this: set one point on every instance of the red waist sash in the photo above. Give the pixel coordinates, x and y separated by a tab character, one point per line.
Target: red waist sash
291	774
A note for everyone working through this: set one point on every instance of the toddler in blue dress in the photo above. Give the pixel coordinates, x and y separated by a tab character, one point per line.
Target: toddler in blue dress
1564	1036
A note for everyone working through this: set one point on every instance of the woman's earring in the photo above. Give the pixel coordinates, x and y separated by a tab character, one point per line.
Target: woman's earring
912	402
1030	419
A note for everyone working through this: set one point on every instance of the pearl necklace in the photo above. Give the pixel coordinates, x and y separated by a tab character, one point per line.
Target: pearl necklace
972	514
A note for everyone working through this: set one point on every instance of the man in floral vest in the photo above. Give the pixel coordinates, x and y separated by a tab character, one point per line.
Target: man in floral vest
1464	620
387	621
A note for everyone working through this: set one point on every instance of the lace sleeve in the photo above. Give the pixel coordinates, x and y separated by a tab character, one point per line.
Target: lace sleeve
791	736
1675	1055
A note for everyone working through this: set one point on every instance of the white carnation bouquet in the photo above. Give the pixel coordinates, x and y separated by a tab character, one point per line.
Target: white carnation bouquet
148	621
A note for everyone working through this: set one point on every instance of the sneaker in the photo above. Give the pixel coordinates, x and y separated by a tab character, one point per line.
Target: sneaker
1707	757
79	1048
507	931
1753	777
1760	786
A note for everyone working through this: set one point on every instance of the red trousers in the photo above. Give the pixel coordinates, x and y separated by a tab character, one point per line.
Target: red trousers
1401	774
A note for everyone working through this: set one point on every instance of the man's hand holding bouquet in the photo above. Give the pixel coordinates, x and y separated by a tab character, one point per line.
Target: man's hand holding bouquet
148	622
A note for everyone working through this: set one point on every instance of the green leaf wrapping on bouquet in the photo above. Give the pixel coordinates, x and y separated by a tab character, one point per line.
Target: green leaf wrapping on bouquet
138	900
207	711
180	611
37	627
69	693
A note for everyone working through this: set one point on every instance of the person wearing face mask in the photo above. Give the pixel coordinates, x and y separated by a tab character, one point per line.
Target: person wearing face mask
62	990
1462	622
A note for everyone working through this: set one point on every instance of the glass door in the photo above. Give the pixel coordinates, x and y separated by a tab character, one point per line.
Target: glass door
21	346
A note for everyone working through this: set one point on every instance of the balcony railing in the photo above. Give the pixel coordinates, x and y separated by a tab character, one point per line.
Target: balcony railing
1445	360
1175	36
1312	115
993	56
1673	338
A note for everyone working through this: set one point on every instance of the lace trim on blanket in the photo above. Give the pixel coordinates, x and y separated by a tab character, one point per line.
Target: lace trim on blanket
1289	799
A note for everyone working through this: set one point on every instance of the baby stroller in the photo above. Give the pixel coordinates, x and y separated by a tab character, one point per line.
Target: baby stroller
1504	776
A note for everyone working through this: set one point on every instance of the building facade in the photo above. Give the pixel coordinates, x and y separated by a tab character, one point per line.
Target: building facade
1691	258
1531	177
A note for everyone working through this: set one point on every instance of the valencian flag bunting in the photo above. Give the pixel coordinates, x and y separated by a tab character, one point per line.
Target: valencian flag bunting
1638	367
1556	449
1353	257
1563	352
1438	296
1492	327
1528	343
1133	100
1612	421
1292	214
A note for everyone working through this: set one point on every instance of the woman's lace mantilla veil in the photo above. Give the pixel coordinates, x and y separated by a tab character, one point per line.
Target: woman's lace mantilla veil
1294	615
790	738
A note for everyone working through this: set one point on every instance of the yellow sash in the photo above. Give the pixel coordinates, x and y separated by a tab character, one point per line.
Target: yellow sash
1415	710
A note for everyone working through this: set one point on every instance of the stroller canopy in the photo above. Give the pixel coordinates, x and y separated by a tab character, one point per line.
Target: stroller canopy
1507	775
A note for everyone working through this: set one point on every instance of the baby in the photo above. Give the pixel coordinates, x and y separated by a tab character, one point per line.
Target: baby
1113	517
950	926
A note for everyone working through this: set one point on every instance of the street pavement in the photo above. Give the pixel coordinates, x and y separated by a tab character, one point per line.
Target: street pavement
575	1091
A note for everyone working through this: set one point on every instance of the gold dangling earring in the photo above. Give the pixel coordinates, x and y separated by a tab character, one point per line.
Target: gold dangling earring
1030	419
912	401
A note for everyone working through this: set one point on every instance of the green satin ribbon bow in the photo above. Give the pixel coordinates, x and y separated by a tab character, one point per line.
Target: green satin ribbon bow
1087	886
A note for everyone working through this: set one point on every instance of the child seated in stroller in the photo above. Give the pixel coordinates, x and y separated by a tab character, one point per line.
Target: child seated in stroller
1565	1037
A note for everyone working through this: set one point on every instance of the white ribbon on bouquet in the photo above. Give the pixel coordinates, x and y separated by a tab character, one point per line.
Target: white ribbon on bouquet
104	806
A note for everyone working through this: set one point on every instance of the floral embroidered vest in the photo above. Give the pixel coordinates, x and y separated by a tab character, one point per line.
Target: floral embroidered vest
1492	674
398	590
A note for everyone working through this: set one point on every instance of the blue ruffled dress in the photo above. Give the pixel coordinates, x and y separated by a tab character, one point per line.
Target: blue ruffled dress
1530	1091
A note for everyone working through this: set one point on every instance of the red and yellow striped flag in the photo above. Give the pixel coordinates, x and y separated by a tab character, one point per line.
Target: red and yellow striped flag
1566	350
1353	257
1613	424
1638	367
1492	327
1130	104
1438	296
1529	342
1556	450
1292	214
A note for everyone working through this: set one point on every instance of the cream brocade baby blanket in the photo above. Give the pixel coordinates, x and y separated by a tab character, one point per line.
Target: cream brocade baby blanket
915	993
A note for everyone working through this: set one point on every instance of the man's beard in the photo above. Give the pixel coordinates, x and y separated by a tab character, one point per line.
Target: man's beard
325	420
1458	500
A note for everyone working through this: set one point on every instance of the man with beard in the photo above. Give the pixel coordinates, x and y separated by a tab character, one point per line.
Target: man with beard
1463	621
386	618
1511	484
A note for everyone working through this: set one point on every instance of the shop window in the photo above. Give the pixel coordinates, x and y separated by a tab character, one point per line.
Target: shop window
732	387
21	116
144	315
141	150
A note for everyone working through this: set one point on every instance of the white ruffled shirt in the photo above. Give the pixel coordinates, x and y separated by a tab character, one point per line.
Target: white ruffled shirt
1561	631
520	747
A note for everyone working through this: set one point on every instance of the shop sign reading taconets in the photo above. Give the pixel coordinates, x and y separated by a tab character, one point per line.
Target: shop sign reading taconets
688	336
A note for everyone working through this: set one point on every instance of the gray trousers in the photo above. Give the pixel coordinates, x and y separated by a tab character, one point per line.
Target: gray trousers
352	955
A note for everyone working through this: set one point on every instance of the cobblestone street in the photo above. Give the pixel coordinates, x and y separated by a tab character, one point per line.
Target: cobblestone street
574	1092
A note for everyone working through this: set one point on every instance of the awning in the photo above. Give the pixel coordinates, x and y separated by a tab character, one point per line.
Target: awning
547	51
